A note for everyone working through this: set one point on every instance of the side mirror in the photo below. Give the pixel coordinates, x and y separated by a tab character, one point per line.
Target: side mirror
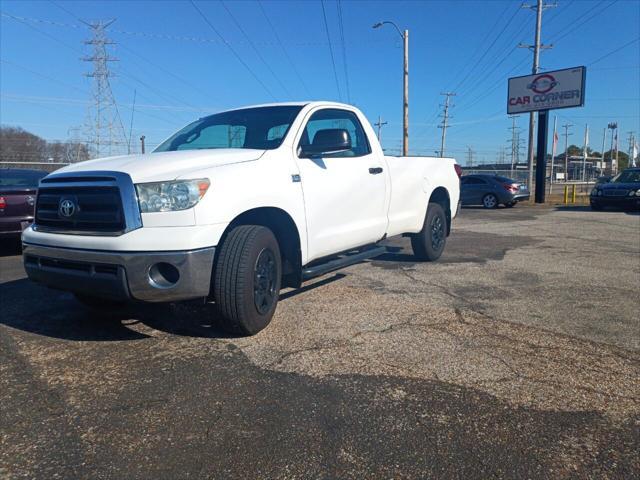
326	142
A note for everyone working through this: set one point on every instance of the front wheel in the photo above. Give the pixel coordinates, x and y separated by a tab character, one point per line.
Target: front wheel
247	279
490	201
429	243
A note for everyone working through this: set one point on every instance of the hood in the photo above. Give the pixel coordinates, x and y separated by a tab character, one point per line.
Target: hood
161	166
619	186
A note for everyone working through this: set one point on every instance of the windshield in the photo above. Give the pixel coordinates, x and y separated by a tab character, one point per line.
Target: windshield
627	176
261	128
20	179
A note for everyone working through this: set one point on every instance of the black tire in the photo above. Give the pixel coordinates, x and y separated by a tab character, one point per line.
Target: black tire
510	204
247	279
429	243
490	201
99	304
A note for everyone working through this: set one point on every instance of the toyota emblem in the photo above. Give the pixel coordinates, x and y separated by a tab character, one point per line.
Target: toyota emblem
66	208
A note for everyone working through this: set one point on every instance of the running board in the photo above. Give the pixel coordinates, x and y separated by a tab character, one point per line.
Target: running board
345	261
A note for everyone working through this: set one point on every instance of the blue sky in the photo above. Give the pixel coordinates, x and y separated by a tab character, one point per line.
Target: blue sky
181	69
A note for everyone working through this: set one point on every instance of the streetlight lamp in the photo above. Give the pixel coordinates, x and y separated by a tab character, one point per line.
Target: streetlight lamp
405	101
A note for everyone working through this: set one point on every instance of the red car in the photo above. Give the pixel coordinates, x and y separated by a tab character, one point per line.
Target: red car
18	188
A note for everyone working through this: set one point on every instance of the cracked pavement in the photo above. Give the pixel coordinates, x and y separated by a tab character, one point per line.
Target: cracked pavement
517	355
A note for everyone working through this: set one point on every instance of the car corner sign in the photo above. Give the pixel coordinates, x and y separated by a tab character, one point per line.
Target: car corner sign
547	91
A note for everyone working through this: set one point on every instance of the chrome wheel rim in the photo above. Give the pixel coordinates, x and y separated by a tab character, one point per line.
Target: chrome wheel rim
265	281
437	233
489	201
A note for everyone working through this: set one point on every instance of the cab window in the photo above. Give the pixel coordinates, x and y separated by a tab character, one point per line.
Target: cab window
333	118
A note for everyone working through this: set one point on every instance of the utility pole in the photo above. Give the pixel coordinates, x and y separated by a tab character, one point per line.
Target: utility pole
613	126
142	144
445	120
632	144
566	150
104	125
469	157
380	124
584	152
604	141
536	47
405	86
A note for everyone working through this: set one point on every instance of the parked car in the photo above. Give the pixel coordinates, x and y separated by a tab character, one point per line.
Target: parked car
491	191
18	188
235	206
623	191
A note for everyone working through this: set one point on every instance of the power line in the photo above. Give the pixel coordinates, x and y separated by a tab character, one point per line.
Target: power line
344	49
333	62
284	50
257	52
232	50
614	51
457	87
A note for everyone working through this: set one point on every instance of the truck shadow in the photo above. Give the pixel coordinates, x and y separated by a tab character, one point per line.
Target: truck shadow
38	310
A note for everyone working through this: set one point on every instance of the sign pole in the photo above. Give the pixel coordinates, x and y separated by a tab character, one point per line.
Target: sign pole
541	155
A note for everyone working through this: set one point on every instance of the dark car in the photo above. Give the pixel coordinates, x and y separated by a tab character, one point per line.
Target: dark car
18	188
491	191
622	191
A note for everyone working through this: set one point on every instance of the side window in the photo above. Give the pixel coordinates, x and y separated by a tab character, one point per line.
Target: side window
474	181
216	136
277	132
332	118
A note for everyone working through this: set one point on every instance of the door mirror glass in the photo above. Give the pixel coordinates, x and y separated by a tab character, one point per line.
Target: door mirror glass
327	142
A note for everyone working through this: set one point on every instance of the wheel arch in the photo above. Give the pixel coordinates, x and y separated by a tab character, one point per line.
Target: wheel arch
286	232
441	196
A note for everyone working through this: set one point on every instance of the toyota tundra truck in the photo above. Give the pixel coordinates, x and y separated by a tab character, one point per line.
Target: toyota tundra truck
234	207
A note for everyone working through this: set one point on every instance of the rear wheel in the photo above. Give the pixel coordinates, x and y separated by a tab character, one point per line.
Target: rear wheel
247	279
510	204
429	243
489	201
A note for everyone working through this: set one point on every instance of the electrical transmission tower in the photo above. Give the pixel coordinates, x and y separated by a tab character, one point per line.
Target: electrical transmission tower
515	142
104	125
445	120
470	153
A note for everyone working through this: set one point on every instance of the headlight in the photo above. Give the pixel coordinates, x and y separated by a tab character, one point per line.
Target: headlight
170	196
594	192
599	193
634	192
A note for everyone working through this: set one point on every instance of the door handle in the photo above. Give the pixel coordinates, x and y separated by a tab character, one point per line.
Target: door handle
375	170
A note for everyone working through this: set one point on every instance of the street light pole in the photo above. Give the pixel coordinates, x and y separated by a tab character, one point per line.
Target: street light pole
405	85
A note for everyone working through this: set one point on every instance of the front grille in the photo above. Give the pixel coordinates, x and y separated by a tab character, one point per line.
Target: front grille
71	266
615	193
96	209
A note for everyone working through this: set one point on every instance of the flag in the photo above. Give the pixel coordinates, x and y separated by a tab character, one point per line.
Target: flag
634	154
554	145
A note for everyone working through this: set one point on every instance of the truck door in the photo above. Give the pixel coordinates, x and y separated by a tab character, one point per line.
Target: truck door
345	192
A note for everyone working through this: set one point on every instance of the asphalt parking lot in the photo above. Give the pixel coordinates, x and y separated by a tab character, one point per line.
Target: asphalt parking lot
517	355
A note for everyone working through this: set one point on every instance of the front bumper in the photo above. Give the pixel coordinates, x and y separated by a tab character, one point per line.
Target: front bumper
622	202
121	275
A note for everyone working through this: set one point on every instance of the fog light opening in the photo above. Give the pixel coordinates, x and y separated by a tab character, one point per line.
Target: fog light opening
163	275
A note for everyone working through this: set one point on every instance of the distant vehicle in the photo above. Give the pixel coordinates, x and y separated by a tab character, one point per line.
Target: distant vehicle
622	191
18	188
491	191
603	179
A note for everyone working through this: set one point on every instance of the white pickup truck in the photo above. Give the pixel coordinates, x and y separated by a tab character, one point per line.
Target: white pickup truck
234	207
